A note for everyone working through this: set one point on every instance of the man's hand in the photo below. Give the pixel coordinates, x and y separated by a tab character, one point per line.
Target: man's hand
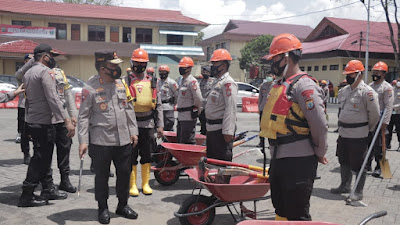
323	160
70	128
82	150
74	121
160	132
228	138
19	90
134	140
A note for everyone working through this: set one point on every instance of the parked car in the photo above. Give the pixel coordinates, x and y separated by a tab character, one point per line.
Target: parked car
246	90
77	85
7	86
11	79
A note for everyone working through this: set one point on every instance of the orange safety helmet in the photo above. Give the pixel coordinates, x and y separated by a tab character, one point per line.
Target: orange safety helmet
354	66
186	62
150	70
324	82
283	43
140	55
221	55
163	68
380	66
394	82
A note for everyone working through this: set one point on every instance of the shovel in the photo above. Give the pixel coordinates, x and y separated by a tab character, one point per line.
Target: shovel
384	163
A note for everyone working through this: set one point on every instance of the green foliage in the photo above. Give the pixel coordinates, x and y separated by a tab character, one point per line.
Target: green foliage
199	37
254	51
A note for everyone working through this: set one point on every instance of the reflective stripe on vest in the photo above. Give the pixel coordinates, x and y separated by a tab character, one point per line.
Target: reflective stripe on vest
280	115
144	97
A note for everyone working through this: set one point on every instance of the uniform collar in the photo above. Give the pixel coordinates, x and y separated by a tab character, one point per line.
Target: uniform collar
223	76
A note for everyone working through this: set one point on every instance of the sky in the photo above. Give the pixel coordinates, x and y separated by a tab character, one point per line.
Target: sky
303	12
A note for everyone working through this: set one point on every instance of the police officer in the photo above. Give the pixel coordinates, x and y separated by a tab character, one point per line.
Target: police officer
24	139
63	143
395	119
9	96
296	130
265	87
168	89
205	88
189	104
107	121
359	116
42	104
324	86
221	108
150	71
149	114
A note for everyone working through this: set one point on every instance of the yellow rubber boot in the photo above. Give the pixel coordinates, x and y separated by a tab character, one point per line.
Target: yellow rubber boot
146	178
133	191
280	218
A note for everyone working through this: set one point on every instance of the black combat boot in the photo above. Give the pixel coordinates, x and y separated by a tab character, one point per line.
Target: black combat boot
27	158
104	214
28	199
53	194
65	184
346	176
377	171
124	210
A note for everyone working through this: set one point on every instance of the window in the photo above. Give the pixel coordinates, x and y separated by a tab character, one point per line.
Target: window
126	34
61	30
144	36
21	22
18	65
324	68
217	46
96	33
174	39
210	51
316	68
344	66
309	68
243	87
302	68
223	45
369	68
114	34
334	67
75	32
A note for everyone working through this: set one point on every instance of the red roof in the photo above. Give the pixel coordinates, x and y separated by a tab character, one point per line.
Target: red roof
18	46
96	12
348	36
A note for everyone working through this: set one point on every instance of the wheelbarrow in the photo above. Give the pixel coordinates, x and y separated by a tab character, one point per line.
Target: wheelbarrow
200	209
272	222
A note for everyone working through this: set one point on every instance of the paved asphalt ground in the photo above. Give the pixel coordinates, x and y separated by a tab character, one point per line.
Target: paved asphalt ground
379	194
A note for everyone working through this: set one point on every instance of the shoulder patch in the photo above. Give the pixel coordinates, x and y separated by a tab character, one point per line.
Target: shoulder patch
228	89
370	95
310	103
51	73
85	93
390	92
194	85
307	93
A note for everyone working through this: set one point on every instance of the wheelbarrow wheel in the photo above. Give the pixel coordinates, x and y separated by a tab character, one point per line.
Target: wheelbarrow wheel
196	203
166	177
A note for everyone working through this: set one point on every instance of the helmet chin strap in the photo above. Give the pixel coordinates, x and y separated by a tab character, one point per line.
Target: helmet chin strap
287	64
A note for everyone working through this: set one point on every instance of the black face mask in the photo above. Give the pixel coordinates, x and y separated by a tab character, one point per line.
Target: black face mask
163	75
182	70
51	63
276	69
205	76
376	77
139	69
114	74
350	80
215	70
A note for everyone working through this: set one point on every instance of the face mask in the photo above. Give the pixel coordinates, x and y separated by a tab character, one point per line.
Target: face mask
276	69
182	70
163	76
114	74
398	84
376	77
205	76
215	70
268	79
51	63
351	80
138	69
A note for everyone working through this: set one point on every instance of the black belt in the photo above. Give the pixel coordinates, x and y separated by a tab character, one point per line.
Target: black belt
166	100
212	122
287	139
145	118
352	125
190	108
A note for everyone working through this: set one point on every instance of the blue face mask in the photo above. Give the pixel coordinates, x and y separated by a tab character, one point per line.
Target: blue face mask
268	79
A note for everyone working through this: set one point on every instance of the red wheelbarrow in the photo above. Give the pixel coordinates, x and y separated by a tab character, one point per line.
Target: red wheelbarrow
200	210
272	222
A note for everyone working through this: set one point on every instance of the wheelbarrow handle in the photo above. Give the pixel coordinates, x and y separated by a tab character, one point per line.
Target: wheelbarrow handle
373	216
226	163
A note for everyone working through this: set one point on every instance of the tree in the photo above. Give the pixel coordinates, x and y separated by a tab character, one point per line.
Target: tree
199	37
254	51
92	2
396	47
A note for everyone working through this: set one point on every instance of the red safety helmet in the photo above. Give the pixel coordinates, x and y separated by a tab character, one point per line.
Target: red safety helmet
394	82
150	70
186	62
140	55
380	66
354	66
283	43
221	55
163	68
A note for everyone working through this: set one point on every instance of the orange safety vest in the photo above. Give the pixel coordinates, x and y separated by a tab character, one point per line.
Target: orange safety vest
280	115
143	95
